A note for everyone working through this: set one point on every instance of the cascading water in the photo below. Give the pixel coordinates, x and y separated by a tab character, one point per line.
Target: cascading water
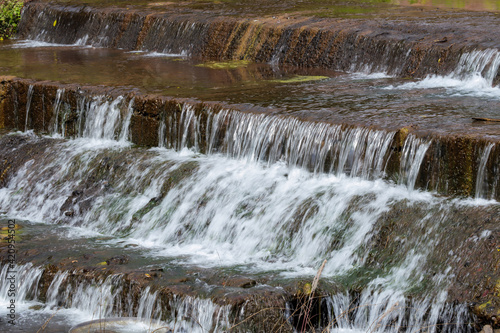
28	105
320	196
319	147
98	117
390	311
96	300
26	283
481	185
213	215
56	110
474	76
478	64
413	154
206	315
257	192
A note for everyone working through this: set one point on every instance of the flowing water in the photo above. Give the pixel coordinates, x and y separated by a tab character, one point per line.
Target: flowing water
28	106
371	99
205	209
67	305
481	174
261	193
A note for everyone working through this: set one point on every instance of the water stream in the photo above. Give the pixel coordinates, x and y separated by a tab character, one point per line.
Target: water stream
266	193
69	304
205	209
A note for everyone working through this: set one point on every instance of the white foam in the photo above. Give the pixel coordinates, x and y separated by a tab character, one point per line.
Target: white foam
368	76
475	86
23	44
473	77
159	54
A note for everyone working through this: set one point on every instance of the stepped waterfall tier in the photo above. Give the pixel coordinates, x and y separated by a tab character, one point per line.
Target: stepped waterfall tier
250	167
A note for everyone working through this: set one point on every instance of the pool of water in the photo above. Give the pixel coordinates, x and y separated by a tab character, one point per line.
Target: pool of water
442	104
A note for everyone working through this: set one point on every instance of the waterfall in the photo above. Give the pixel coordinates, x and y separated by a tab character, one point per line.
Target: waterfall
319	147
55	111
125	128
56	287
98	117
102	299
481	178
473	76
206	316
412	156
256	138
200	204
26	283
266	194
28	105
478	64
148	305
105	119
389	311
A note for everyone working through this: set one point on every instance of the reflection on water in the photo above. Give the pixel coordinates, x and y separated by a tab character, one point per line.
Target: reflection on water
368	98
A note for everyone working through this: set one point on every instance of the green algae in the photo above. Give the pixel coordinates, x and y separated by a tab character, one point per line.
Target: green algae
300	79
233	64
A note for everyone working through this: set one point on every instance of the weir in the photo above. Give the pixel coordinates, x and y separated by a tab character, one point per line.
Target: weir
259	135
401	49
206	200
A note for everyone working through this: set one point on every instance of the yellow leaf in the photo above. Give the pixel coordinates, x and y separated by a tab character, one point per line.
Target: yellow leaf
55	22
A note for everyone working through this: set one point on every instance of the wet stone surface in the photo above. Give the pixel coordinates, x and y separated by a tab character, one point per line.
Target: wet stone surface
365	100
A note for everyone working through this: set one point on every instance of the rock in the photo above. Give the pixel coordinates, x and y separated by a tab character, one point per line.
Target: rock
240	282
118	260
487	329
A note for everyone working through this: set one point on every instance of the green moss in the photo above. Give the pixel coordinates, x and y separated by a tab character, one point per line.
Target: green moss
497	288
233	64
10	14
300	78
483	307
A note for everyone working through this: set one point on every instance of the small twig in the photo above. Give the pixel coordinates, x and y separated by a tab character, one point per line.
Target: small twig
313	289
385	314
47	322
485	119
345	312
316	278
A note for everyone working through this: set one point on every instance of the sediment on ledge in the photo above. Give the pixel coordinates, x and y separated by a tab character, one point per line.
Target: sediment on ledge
452	164
400	49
